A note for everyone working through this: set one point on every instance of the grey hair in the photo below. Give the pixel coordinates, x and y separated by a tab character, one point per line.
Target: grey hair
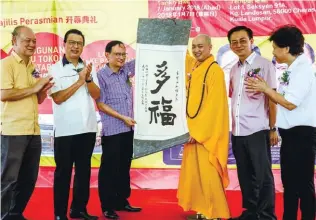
17	30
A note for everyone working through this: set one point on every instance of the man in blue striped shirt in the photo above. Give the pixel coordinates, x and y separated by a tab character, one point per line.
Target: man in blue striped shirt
116	110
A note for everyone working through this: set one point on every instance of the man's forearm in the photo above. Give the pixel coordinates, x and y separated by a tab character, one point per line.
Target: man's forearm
279	99
272	113
41	96
94	90
63	95
109	111
16	94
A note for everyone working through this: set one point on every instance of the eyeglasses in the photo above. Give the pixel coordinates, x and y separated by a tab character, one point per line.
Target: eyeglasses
241	42
120	54
74	43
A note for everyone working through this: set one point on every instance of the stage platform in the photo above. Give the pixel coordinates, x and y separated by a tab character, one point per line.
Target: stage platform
150	178
152	189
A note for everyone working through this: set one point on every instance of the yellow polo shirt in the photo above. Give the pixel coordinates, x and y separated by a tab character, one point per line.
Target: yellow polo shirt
18	117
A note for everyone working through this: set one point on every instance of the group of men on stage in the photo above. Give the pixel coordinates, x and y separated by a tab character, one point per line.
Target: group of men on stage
73	86
259	110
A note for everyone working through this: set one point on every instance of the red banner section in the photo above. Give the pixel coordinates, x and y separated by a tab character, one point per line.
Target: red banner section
217	17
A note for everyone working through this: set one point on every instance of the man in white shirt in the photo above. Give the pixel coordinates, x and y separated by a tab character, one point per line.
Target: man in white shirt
296	120
75	88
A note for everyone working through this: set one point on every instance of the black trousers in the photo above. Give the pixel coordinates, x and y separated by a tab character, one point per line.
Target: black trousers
20	157
69	150
297	172
114	176
253	159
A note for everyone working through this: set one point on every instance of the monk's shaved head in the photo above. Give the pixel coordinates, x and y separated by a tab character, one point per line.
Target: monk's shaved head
201	47
204	37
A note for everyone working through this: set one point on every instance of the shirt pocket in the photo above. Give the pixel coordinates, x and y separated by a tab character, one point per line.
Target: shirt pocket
67	81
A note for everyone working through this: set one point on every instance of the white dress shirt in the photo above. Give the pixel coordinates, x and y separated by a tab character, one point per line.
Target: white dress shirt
77	115
300	91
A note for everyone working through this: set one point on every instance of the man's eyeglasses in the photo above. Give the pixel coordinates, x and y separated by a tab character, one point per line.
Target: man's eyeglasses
120	54
241	42
74	43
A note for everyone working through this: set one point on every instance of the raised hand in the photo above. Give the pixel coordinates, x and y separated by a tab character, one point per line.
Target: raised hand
89	69
41	83
255	84
85	72
47	87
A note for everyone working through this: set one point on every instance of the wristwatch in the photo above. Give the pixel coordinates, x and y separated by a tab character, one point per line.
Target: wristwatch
89	80
273	129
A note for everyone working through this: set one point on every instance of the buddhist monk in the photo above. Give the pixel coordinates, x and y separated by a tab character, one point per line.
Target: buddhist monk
204	176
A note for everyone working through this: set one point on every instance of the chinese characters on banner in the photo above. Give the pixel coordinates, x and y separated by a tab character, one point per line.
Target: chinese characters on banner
159	107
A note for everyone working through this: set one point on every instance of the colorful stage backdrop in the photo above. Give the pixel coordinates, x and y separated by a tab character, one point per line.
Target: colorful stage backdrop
102	21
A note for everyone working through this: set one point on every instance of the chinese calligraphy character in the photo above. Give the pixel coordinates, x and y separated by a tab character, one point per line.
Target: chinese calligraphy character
93	19
163	74
85	19
77	19
69	19
167	118
153	111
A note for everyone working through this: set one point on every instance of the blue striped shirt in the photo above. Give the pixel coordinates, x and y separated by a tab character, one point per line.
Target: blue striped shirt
116	92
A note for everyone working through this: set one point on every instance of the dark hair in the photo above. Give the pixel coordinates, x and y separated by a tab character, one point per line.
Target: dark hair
112	44
240	28
289	36
73	31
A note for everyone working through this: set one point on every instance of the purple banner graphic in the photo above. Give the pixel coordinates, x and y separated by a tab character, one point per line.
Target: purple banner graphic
173	156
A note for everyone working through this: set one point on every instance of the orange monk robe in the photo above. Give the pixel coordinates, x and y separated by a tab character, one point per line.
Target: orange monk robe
203	174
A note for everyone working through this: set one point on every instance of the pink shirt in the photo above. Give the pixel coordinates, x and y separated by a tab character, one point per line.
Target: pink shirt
250	111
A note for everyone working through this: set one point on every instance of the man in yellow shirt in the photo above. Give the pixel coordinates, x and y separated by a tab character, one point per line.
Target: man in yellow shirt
21	92
204	175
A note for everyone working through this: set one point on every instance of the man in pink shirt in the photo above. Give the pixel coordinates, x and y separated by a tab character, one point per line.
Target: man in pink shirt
253	128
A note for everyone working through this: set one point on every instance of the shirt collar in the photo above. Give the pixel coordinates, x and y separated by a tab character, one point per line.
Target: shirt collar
65	61
16	56
249	59
19	59
300	59
110	72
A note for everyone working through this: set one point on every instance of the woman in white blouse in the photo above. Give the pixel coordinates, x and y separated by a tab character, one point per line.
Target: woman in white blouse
296	120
